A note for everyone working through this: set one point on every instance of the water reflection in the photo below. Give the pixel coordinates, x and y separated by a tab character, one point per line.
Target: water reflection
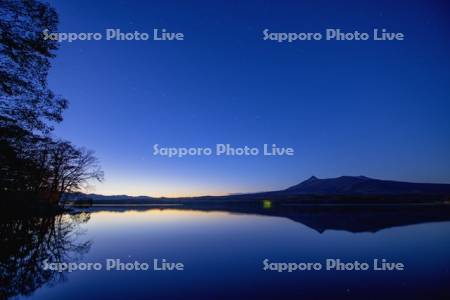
27	242
320	218
223	250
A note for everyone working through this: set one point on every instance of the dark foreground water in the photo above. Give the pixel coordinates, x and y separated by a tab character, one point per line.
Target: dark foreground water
223	254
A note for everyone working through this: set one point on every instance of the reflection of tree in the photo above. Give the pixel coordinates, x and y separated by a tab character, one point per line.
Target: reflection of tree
26	243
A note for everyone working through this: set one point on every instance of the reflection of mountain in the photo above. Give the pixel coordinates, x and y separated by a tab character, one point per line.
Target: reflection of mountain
355	219
368	220
321	218
26	243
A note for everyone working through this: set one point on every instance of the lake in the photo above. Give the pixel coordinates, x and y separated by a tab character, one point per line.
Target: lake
222	254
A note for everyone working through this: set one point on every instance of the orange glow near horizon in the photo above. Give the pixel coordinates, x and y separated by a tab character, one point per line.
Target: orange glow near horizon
160	189
124	181
155	193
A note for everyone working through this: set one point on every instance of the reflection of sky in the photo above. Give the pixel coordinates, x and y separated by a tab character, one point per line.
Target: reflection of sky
348	108
223	254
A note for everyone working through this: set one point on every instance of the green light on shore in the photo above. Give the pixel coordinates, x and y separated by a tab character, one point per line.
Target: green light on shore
267	204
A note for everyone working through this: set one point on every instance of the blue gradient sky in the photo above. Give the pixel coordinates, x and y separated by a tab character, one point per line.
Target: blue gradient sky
379	109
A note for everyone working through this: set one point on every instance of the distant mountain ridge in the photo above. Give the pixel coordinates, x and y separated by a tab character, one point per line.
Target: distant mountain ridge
313	190
362	185
98	197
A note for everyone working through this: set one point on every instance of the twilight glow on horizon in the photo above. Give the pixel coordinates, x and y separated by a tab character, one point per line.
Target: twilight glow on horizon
374	108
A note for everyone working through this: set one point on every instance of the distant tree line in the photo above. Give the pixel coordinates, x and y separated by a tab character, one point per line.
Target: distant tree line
34	165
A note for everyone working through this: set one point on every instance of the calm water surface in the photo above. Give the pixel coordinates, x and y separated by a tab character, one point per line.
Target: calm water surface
223	256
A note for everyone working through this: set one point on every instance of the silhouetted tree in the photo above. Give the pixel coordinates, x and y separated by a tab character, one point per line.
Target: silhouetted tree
32	164
70	168
25	98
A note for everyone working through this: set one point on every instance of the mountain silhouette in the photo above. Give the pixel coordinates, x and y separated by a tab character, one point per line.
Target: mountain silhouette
361	185
344	189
